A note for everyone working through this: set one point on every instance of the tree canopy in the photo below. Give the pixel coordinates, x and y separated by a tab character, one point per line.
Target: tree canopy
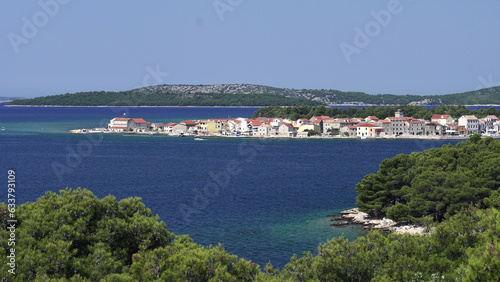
135	98
436	182
303	111
75	236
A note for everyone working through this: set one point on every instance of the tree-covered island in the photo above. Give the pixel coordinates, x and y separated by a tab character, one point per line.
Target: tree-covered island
252	95
75	236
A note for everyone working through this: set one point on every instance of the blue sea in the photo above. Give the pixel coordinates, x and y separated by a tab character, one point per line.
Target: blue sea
265	200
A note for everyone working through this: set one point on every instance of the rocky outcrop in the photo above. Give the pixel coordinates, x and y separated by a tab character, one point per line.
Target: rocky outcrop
354	216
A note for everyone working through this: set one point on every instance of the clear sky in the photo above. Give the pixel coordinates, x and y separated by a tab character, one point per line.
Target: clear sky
399	47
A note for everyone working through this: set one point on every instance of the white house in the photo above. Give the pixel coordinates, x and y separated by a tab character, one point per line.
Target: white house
471	124
140	125
120	124
168	127
286	129
442	119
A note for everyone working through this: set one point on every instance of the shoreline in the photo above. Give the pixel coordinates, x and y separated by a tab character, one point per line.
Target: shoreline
354	216
415	137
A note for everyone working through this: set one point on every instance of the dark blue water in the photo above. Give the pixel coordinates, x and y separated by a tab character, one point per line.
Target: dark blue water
279	190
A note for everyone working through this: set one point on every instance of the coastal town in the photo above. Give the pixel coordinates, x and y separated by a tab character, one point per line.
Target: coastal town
440	126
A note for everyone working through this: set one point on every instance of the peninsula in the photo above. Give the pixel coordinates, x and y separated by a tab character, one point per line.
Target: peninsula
438	126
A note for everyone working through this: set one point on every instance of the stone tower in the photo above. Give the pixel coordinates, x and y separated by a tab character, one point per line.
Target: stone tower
399	113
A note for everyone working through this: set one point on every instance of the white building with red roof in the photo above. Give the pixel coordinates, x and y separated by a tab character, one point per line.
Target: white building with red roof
287	129
168	128
120	124
470	123
371	119
301	121
140	125
368	130
350	130
442	119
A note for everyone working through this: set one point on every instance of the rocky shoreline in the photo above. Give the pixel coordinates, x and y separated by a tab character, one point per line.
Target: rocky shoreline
354	216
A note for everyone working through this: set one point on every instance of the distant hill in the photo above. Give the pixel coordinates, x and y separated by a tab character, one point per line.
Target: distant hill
252	95
8	99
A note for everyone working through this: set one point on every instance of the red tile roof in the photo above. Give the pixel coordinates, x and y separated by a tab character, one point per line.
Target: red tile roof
440	116
256	123
118	127
122	119
366	125
320	117
171	124
139	120
188	122
372	117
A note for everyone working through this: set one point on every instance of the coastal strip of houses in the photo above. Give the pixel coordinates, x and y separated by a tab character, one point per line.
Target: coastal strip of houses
369	127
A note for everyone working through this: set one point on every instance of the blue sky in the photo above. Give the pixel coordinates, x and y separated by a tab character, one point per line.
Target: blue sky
399	47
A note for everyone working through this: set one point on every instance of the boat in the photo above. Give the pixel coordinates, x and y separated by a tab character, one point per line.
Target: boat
181	134
3	128
199	139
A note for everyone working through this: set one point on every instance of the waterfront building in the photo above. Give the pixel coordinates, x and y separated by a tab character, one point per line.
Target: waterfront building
349	131
120	124
442	119
396	126
140	125
207	126
312	126
414	127
264	130
470	124
157	126
288	130
168	127
363	129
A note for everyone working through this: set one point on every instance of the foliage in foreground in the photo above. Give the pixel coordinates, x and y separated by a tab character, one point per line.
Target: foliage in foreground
78	237
434	184
464	248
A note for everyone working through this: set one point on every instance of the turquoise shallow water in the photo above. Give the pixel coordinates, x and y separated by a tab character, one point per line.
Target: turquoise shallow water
279	190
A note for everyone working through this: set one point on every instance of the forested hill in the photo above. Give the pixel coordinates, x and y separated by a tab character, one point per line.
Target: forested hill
252	95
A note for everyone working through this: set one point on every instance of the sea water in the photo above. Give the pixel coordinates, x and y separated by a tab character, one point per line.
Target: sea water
264	200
